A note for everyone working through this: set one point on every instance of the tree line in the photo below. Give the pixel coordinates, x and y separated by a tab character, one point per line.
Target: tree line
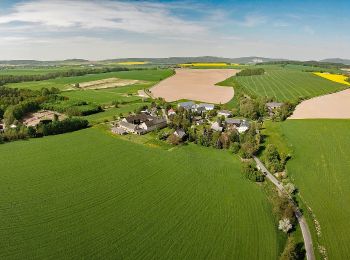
43	129
251	72
5	79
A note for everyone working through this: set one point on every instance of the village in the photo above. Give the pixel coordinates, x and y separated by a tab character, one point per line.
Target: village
201	123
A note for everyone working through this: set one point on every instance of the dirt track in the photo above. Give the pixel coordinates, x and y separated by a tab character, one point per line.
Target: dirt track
336	105
196	84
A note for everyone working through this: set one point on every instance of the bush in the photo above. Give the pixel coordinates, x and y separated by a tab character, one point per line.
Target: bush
174	140
250	172
235	147
272	159
293	250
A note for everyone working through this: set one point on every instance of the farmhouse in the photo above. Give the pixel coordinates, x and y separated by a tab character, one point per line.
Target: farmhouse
140	124
225	113
186	105
171	112
272	106
119	130
128	127
242	125
207	107
180	133
216	127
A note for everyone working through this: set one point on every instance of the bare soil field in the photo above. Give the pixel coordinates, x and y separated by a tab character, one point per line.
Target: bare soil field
33	119
196	84
108	83
336	105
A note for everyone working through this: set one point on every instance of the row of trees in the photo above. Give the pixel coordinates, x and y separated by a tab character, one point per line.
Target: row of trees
5	79
59	127
43	129
71	107
251	72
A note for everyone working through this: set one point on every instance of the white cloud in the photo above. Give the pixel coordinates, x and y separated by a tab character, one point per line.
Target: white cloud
139	17
280	24
309	30
252	20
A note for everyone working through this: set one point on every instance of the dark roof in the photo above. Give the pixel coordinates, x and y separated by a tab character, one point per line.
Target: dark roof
200	109
225	111
139	117
188	104
155	121
233	121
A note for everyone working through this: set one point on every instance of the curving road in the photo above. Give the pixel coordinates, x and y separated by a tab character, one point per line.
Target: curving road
302	222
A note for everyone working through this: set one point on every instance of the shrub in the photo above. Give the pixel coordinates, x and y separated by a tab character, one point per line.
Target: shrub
250	172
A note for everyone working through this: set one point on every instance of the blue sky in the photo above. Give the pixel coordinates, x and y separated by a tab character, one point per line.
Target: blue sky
60	29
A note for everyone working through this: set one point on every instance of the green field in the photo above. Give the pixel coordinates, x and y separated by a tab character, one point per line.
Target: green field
88	195
285	84
320	169
105	96
36	71
152	75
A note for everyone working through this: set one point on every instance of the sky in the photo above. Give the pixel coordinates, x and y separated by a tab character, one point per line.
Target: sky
106	29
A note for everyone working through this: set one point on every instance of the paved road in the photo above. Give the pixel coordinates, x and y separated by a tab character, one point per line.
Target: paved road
302	222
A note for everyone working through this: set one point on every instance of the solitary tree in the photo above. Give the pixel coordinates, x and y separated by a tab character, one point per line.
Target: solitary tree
285	225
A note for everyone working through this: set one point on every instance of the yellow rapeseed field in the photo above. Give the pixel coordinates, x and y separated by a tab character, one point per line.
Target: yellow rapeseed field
132	63
333	77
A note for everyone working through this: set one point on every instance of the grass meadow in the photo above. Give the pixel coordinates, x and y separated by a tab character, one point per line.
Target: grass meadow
106	96
284	84
320	169
64	83
92	195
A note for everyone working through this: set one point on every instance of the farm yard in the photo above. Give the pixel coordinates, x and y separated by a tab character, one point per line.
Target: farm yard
336	105
91	195
320	169
196	84
287	84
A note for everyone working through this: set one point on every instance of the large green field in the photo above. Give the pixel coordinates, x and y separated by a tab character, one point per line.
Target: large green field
89	195
320	168
287	84
151	75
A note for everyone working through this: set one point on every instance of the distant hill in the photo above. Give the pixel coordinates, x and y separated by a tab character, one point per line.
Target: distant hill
167	61
337	60
178	60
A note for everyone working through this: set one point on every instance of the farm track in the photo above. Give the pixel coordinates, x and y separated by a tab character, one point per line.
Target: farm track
310	255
